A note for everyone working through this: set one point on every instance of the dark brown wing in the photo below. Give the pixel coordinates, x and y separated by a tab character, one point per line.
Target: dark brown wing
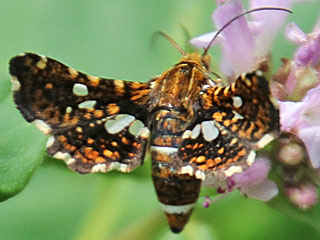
233	121
96	124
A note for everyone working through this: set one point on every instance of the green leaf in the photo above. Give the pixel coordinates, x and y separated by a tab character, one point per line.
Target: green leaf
21	149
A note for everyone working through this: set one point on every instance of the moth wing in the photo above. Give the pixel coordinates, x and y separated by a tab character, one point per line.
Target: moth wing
235	120
95	124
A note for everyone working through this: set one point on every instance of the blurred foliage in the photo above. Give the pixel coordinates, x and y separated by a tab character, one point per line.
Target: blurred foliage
113	39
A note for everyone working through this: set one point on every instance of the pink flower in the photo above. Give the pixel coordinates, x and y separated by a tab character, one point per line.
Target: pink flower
303	119
307	56
254	183
244	43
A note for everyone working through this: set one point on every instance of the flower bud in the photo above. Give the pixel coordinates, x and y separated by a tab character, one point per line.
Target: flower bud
291	153
304	196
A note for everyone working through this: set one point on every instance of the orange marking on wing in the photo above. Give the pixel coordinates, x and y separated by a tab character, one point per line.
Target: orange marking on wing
100	159
200	159
234	128
250	129
210	163
98	113
90	141
193	159
226	123
119	87
94	81
62	138
217	116
125	140
113	108
87	115
116	155
203	167
195	146
49	86
221	150
242	152
107	153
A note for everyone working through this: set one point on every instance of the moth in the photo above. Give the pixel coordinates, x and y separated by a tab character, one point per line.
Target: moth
193	127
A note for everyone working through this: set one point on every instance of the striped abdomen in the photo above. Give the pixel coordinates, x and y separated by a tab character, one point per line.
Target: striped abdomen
177	193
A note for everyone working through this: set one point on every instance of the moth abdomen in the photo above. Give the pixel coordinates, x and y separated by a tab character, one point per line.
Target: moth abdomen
176	192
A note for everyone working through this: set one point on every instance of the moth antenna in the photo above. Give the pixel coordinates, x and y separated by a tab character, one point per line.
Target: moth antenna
237	17
172	42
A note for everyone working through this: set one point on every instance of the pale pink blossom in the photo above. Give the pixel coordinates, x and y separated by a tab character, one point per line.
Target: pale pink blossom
254	183
306	57
245	42
303	119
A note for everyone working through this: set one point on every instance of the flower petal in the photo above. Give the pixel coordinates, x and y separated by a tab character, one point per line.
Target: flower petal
264	191
295	34
256	174
311	138
238	44
311	114
272	21
203	40
290	113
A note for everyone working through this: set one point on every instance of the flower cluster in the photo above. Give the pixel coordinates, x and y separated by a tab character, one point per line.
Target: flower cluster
296	85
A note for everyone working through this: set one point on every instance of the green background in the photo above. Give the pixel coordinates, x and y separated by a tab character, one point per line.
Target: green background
113	39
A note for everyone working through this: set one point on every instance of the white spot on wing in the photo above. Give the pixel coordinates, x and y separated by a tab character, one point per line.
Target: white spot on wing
195	131
41	64
68	109
42	126
124	167
259	73
99	168
15	84
80	89
200	175
120	122
173	209
186	170
145	132
61	155
237	101
136	127
87	104
69	161
114	165
251	157
209	130
237	115
232	170
119	166
265	140
50	141
186	134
